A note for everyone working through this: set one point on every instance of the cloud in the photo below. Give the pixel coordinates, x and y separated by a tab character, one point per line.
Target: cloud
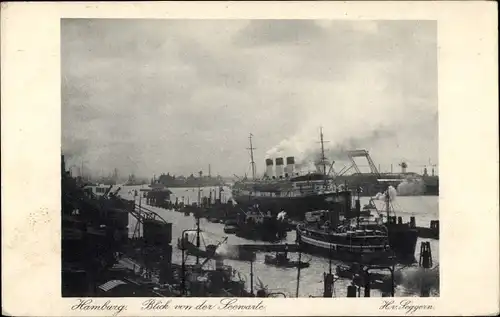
151	96
279	32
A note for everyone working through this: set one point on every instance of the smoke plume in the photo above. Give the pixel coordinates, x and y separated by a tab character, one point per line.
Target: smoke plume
393	193
417	279
308	154
227	251
411	187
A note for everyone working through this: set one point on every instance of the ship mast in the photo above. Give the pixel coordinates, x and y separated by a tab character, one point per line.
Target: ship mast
197	237
323	158
81	172
198	219
251	148
387	204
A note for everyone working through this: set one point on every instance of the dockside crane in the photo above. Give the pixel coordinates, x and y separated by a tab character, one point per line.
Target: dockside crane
359	153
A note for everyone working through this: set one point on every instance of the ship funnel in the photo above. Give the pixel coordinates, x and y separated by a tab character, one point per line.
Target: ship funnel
279	167
269	168
290	165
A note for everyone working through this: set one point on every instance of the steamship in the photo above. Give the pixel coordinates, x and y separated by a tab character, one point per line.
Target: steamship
295	195
256	225
284	189
354	240
357	237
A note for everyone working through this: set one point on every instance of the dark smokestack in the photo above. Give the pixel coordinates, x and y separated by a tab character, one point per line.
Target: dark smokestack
269	168
290	165
279	167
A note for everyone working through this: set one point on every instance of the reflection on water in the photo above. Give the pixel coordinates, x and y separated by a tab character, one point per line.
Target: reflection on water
424	208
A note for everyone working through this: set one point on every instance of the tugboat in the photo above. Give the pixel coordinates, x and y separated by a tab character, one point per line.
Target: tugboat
352	271
281	260
355	273
256	225
360	237
353	240
230	226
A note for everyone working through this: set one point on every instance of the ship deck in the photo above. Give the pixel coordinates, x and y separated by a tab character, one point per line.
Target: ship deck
360	233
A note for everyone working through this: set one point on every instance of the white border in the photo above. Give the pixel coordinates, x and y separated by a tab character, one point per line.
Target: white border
468	112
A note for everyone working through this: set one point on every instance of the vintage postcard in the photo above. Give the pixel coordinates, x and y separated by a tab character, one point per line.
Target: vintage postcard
253	158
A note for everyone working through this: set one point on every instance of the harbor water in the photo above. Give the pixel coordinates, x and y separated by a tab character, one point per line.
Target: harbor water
284	280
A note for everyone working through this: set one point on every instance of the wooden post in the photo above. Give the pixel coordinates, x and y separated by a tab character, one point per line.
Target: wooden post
298	275
251	277
138	220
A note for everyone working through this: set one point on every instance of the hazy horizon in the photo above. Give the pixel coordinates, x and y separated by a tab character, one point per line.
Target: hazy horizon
156	96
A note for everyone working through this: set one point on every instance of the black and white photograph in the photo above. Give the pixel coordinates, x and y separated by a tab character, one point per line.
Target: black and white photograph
271	158
249	158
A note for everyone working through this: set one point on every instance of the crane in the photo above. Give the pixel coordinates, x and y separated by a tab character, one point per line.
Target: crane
361	153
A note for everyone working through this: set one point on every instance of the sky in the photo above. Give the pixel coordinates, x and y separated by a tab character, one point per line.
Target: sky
153	96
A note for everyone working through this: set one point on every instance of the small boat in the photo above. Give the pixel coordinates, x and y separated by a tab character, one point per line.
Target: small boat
280	260
213	220
257	225
230	229
380	283
192	249
355	272
231	226
345	271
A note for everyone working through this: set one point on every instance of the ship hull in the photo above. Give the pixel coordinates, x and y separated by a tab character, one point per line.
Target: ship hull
431	190
402	245
295	207
403	242
318	247
257	235
270	231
